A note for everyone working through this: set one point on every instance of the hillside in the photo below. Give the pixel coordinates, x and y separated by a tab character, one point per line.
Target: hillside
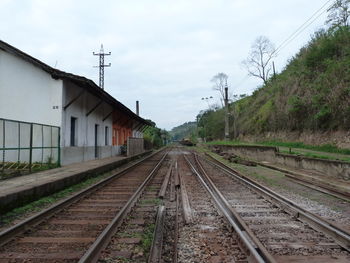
312	93
183	131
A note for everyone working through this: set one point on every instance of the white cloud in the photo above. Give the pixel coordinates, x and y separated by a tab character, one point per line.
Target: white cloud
164	52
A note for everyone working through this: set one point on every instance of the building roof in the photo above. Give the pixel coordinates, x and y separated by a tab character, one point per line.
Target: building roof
83	82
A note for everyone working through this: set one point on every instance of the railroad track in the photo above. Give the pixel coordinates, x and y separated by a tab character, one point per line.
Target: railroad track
277	229
78	228
184	205
207	238
136	233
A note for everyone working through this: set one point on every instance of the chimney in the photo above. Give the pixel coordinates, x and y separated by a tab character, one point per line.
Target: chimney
137	108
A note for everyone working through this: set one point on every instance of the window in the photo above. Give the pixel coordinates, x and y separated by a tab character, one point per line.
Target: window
73	130
106	135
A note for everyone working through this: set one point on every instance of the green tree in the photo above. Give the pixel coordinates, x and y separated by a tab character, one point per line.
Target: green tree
155	136
338	14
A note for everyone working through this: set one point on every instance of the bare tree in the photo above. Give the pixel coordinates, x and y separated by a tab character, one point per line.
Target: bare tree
259	59
220	80
338	13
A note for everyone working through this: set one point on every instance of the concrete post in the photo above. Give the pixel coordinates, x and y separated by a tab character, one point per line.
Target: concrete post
227	131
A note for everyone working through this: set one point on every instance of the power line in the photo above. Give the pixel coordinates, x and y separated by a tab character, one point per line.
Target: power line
295	34
238	84
301	28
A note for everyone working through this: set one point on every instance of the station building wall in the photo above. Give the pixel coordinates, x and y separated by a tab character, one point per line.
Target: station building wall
83	147
28	93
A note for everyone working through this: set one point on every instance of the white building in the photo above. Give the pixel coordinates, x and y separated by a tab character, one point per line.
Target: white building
33	92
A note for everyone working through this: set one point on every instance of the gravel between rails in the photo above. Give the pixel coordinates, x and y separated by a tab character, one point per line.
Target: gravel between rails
207	239
77	226
277	230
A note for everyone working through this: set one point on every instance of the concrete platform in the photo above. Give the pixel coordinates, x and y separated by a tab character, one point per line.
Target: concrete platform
313	177
20	190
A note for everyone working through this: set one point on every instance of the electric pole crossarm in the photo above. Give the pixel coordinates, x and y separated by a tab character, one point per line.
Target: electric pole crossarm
102	65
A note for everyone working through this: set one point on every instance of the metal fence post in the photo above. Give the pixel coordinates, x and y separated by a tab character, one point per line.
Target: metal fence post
3	145
30	147
19	143
42	144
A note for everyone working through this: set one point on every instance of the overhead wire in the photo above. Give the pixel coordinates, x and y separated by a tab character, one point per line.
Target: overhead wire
305	25
297	32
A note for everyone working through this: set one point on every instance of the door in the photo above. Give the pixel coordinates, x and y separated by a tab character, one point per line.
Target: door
96	140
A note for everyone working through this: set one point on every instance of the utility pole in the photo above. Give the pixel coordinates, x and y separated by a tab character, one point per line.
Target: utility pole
102	65
227	131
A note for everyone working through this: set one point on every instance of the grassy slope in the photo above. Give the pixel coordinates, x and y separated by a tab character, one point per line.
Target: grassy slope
312	93
183	131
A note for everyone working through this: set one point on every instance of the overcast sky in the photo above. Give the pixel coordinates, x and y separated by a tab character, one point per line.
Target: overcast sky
164	53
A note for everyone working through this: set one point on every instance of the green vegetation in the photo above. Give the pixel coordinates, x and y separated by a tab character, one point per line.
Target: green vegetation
45	166
321	148
18	169
294	146
155	137
47	201
316	155
186	130
147	238
211	124
155	201
311	94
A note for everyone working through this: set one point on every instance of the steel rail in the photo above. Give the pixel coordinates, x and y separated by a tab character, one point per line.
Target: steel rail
165	183
8	234
93	253
258	252
176	238
341	236
157	243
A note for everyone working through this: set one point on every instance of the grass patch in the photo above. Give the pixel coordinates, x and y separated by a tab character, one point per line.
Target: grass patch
155	201
151	188
38	167
328	148
315	155
112	260
234	142
129	235
147	238
45	202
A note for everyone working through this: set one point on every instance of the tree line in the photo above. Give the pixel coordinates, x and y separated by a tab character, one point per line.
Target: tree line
312	92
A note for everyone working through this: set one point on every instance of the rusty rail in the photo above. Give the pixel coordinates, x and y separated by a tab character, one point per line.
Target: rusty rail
157	243
186	207
176	237
165	183
8	234
92	254
341	236
255	250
